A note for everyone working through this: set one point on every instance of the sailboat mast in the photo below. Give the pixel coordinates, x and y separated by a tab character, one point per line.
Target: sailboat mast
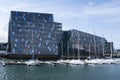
95	43
78	47
73	51
68	49
98	51
6	49
89	49
103	48
32	45
62	48
111	49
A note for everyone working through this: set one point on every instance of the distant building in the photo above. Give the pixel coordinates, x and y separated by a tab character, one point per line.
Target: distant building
118	51
3	48
33	33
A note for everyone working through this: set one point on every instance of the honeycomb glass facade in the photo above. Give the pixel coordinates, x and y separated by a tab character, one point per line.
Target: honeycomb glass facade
33	33
38	33
77	43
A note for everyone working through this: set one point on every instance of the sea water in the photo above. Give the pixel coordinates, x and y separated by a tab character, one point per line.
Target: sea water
60	72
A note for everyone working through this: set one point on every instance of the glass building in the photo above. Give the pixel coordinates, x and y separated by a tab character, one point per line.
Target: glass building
76	44
38	33
33	33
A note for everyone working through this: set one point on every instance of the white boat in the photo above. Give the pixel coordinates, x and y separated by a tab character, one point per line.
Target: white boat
76	62
32	62
94	61
112	61
2	62
11	62
62	62
117	60
73	62
97	60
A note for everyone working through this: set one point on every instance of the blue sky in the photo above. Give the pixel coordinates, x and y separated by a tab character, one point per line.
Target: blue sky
84	15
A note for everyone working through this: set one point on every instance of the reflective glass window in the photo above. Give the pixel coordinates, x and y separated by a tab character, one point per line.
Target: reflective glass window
13	33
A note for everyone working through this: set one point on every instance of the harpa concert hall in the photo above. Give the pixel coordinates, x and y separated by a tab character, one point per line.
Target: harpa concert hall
38	34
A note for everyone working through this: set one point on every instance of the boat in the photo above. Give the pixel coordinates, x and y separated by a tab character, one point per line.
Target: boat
96	60
32	61
76	61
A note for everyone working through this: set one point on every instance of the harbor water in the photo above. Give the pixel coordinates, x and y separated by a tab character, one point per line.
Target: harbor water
60	72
